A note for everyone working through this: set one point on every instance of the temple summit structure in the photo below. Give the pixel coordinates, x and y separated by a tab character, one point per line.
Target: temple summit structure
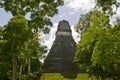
61	55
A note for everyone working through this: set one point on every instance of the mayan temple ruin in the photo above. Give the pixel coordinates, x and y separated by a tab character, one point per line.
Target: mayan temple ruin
61	54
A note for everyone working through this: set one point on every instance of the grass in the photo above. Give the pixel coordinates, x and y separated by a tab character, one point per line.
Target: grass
58	76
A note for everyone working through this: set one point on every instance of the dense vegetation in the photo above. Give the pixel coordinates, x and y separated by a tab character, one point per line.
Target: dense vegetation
20	47
98	49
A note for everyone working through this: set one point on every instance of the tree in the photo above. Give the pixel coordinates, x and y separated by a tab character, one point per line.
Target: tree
107	6
89	36
24	6
40	12
106	51
83	23
85	48
4	60
15	35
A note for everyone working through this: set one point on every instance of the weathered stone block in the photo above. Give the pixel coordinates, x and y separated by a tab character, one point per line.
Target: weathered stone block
61	55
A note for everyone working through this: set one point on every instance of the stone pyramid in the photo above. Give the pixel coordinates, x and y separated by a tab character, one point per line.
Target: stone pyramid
61	55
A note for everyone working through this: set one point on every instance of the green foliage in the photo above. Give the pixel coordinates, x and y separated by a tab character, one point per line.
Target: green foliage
29	76
24	6
107	6
98	50
16	33
106	51
89	38
40	11
19	39
4	60
83	23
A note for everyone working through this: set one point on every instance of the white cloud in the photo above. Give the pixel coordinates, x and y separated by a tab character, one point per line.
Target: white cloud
80	4
75	34
61	16
49	38
71	13
114	17
118	11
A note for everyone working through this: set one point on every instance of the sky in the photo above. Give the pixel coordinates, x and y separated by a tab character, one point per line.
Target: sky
70	11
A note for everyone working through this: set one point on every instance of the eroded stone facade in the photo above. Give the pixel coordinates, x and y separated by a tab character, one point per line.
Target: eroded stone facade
61	54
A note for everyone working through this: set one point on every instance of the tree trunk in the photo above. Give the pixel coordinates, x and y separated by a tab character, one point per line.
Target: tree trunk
21	66
14	71
29	65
